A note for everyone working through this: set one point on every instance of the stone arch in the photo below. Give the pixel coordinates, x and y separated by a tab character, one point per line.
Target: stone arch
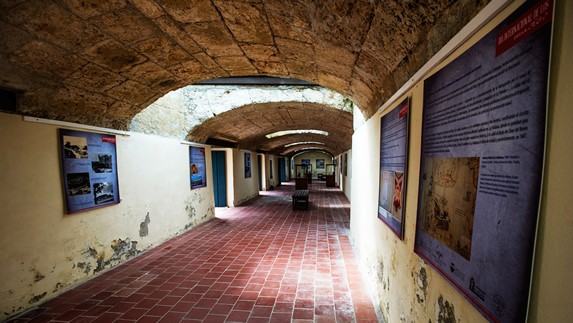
101	63
200	113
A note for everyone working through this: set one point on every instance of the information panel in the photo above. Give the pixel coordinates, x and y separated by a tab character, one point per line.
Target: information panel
482	158
393	163
89	169
247	165
197	167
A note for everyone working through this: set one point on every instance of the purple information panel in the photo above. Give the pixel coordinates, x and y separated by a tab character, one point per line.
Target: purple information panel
247	165
483	142
89	165
393	163
197	167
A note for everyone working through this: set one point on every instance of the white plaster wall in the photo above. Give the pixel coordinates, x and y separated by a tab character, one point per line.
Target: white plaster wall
244	188
347	180
406	288
287	169
552	289
313	156
43	251
273	180
264	169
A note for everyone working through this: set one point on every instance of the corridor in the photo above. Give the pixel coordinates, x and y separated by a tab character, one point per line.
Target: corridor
259	262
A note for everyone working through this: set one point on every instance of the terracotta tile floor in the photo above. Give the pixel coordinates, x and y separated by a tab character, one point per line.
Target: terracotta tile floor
260	262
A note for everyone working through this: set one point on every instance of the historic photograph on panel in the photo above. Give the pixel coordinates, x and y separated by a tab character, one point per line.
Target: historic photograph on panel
78	183
386	189
75	147
102	163
393	167
88	157
397	202
103	192
197	166
449	201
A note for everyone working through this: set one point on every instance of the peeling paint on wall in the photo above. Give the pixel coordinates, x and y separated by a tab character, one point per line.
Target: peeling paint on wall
445	310
58	287
87	267
37	298
37	276
122	250
192	210
421	283
144	226
51	261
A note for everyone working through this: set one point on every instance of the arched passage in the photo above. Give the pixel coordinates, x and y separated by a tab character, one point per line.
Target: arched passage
101	63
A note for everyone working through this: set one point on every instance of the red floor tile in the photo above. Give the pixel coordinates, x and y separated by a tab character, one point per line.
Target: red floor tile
259	262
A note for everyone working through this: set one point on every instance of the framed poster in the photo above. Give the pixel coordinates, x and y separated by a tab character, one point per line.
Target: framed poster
247	165
393	164
89	168
320	164
483	138
305	161
197	166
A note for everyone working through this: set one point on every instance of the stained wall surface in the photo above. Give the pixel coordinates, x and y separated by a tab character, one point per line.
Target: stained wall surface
245	188
44	251
406	288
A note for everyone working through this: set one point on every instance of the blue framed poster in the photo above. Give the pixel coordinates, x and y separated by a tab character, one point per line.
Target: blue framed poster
483	145
247	165
393	164
197	166
89	168
305	161
320	164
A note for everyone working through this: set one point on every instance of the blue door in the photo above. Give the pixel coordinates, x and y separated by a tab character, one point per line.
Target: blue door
282	169
259	165
219	178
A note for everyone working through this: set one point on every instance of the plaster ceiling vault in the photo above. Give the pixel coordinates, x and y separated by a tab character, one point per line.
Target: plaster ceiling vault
102	62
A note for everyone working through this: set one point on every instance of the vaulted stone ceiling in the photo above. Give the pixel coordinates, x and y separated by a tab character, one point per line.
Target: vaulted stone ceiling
101	62
248	126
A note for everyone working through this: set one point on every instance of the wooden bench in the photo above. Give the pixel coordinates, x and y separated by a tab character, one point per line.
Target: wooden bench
300	197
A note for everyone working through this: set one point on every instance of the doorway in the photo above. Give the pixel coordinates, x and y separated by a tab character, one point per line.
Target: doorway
219	178
282	170
260	172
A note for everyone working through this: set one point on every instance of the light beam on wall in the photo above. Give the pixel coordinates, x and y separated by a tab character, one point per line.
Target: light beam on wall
304	143
310	148
296	132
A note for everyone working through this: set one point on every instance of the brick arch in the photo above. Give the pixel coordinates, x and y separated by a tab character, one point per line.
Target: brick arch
248	125
102	62
291	152
277	145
